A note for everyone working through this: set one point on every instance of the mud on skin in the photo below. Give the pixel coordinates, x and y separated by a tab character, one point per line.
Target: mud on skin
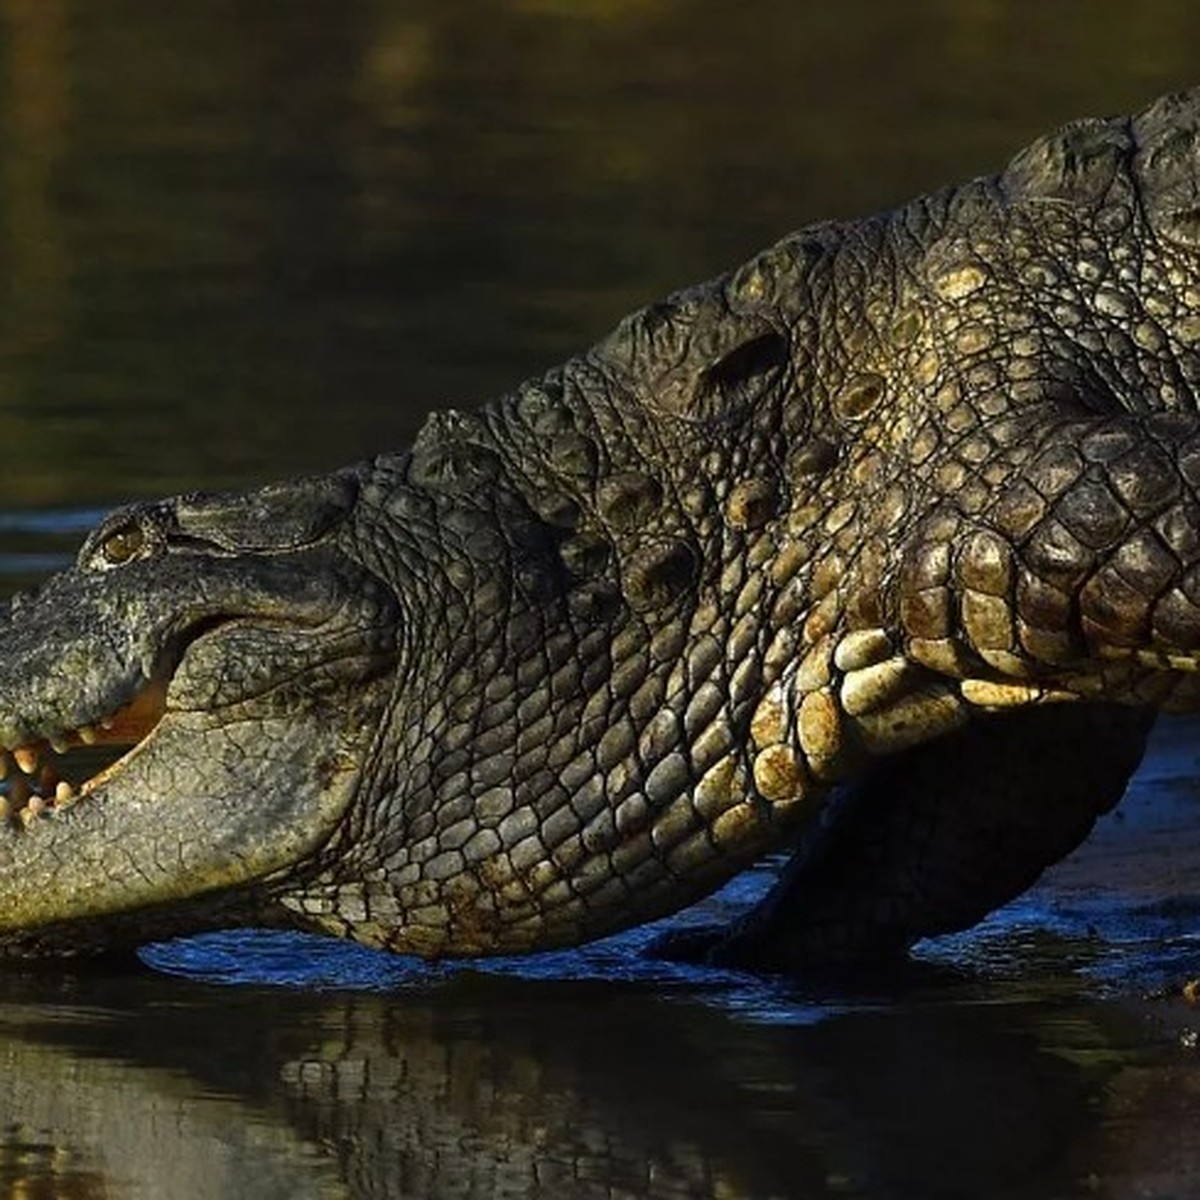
884	546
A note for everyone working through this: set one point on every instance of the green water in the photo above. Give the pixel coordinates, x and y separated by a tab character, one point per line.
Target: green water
241	240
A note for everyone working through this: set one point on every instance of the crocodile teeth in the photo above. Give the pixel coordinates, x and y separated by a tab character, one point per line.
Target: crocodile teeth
36	788
26	758
34	807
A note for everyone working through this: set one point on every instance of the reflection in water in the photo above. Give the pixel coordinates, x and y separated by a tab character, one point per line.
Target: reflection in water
490	1087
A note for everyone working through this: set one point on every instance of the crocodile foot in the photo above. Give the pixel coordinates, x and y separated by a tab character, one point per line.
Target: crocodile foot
924	846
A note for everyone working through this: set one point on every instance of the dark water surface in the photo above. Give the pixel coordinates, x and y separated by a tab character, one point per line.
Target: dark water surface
244	239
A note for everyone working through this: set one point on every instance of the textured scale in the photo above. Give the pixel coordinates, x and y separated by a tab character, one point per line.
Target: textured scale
881	547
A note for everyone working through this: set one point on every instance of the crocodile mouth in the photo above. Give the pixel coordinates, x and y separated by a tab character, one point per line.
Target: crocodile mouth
51	773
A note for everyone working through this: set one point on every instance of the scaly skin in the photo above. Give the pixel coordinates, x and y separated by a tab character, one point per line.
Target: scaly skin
577	658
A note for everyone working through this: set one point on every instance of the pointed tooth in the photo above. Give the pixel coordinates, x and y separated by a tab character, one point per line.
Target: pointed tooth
58	743
33	809
26	758
106	722
63	792
88	735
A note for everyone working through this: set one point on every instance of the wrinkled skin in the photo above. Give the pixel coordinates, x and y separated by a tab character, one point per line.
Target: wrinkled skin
885	546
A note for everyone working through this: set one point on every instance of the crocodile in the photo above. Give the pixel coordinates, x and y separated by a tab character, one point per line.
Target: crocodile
882	549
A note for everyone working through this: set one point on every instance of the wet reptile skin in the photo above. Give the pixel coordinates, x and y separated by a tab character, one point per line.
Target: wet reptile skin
884	546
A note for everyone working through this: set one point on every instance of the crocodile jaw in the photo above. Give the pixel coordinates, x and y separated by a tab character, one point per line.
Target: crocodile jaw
179	858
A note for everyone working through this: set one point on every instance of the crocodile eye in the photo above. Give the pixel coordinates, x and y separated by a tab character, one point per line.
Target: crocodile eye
123	544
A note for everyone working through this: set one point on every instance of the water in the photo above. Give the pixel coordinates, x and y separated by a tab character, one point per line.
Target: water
241	240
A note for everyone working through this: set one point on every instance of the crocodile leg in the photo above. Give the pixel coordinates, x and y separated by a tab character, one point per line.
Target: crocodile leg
933	839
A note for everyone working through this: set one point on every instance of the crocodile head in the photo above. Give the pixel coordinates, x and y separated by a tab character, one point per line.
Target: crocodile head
184	713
